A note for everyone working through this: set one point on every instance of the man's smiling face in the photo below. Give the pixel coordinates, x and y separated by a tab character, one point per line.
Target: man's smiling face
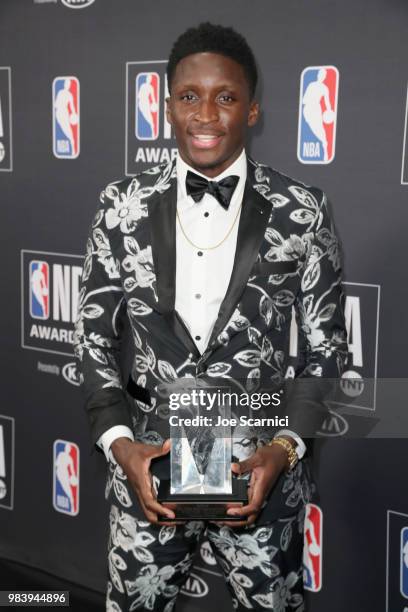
210	109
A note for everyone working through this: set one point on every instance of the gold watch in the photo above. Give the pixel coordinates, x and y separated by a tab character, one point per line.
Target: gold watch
290	449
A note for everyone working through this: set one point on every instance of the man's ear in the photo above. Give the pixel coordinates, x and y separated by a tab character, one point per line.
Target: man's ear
168	111
253	114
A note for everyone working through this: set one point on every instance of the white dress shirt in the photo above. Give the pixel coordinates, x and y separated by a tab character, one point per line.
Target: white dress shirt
202	276
202	280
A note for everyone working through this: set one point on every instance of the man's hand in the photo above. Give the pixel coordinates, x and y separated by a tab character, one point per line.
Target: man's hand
266	464
134	459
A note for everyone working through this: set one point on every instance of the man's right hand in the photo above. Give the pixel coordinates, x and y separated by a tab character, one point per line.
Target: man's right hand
134	458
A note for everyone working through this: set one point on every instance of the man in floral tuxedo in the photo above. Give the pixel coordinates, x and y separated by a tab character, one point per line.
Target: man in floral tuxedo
205	257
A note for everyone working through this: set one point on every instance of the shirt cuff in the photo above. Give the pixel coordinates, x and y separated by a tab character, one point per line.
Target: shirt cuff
300	445
110	435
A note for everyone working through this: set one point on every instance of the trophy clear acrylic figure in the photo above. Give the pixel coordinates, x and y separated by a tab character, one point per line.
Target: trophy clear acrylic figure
200	461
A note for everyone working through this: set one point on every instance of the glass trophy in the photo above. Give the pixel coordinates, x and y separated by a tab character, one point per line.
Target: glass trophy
201	486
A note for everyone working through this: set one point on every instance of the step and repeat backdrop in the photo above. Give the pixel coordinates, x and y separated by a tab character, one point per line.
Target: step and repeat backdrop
82	89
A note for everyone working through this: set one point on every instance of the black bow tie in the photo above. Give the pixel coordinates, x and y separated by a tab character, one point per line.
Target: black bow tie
222	191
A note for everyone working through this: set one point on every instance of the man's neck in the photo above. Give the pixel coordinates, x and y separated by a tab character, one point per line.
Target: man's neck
213	173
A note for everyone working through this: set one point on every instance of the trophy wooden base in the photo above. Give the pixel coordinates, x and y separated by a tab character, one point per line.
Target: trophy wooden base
203	507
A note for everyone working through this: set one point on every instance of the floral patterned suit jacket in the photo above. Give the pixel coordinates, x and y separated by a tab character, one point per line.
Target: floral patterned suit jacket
287	255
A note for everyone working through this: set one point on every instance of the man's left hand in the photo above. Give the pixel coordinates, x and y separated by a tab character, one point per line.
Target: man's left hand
266	465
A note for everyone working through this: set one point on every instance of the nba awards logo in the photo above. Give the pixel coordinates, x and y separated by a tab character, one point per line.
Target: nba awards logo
50	289
317	114
358	385
312	551
149	140
6	163
397	561
66	477
6	462
65	117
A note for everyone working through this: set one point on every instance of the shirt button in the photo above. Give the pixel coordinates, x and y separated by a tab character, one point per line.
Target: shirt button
206	214
199	253
197	296
198	337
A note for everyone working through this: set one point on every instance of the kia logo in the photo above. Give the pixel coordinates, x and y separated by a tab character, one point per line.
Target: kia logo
195	586
334	425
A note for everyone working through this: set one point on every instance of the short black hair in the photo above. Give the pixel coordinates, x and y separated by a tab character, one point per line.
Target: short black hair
210	38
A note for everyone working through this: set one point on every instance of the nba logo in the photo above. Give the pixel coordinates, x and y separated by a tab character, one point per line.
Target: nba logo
312	551
147	105
66	477
39	289
317	114
149	140
65	117
404	563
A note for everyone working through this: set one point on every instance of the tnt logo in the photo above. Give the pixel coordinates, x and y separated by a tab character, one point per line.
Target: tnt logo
147	105
65	96
66	477
6	163
149	138
39	289
317	114
50	283
312	551
351	383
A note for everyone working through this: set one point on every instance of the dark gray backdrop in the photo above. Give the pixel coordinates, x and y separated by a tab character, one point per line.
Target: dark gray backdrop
47	204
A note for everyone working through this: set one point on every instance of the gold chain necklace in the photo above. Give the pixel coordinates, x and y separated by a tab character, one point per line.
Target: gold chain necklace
216	245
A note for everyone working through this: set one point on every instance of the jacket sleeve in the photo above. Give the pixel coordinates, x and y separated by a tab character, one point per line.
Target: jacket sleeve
97	334
323	338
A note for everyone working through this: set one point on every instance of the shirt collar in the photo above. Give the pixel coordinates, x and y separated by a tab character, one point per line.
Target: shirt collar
238	167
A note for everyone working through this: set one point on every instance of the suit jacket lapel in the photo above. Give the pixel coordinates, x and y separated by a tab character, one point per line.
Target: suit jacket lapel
251	230
162	215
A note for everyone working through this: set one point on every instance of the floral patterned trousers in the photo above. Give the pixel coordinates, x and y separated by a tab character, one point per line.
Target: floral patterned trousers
148	564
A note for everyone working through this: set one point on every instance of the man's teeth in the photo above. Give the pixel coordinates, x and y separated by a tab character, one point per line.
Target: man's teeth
205	137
